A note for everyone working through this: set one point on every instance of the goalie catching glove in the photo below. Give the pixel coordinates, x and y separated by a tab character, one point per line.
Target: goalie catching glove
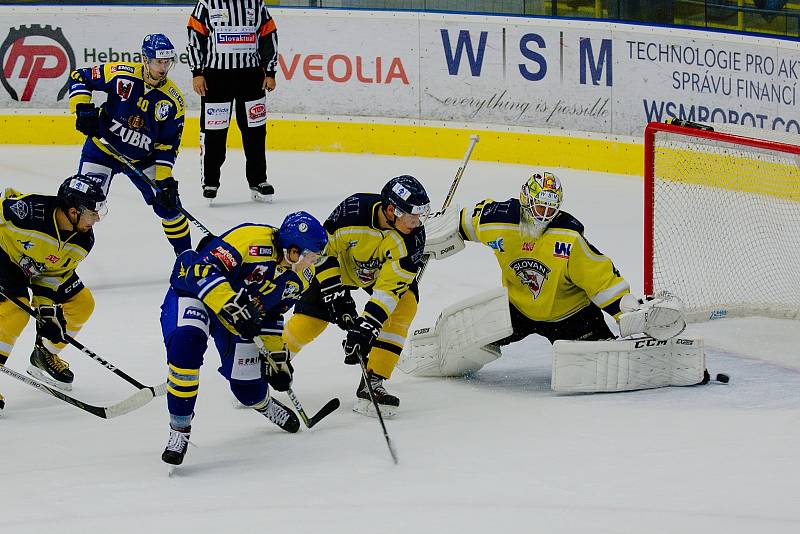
442	238
660	317
279	369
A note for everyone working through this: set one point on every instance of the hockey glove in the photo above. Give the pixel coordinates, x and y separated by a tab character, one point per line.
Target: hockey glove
167	194
340	305
660	317
242	314
88	119
359	340
51	324
279	369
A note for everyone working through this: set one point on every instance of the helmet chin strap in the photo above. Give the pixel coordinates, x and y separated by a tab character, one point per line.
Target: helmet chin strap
392	223
150	80
77	220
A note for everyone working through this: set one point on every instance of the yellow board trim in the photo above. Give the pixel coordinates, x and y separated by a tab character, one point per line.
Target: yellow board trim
374	138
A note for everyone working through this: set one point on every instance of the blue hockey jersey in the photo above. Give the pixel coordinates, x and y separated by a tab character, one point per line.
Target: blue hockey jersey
140	121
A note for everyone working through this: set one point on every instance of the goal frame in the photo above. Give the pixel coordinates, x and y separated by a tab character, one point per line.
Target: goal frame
651	130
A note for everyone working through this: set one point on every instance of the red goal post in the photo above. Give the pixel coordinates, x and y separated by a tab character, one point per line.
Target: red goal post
722	220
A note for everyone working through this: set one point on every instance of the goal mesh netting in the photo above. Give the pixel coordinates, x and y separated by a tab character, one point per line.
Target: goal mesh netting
722	220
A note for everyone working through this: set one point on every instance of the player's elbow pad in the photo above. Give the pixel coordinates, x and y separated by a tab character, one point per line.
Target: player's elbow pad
442	238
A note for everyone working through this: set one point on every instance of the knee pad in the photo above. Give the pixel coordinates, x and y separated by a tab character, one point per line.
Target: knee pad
302	330
249	392
78	309
186	347
12	323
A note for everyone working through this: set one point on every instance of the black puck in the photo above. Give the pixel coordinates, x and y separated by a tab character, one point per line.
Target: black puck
722	377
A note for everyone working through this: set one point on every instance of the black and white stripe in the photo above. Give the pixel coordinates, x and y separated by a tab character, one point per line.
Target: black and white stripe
215	16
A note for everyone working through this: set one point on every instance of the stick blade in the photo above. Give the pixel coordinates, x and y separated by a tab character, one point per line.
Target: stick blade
330	407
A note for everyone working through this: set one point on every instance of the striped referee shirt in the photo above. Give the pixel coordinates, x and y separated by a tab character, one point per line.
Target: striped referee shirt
232	34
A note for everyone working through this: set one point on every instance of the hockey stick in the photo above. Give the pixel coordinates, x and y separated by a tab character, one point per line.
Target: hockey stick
75	343
389	443
152	183
330	406
473	140
134	402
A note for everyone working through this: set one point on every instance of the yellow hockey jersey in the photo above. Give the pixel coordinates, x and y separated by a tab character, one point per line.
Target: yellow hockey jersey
551	277
31	240
384	262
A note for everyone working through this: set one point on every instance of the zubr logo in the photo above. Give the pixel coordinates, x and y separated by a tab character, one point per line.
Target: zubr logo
33	53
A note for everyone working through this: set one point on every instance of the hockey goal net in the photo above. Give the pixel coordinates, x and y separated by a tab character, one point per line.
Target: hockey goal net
722	220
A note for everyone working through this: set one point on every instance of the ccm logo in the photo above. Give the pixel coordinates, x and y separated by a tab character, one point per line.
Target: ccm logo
649	343
446	250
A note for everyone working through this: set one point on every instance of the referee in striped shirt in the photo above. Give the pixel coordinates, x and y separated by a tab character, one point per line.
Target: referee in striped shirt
233	53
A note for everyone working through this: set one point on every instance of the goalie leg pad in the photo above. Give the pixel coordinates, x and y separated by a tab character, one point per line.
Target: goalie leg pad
460	342
624	365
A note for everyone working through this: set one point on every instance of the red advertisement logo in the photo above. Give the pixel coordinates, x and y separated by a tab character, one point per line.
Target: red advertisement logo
31	54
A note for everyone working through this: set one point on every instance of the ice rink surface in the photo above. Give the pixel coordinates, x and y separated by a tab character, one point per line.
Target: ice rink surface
497	453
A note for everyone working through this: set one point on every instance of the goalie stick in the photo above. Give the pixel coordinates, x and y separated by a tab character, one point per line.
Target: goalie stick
473	140
139	174
134	402
78	345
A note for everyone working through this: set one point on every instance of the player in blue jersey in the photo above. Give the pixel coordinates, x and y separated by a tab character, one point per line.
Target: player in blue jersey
142	119
234	288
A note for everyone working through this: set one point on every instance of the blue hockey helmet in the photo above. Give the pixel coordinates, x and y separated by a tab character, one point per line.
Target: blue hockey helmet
157	46
302	230
82	193
407	195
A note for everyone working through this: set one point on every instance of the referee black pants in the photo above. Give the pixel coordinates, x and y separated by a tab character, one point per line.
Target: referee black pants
244	87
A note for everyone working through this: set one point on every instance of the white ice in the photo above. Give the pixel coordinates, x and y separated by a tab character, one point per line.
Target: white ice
497	453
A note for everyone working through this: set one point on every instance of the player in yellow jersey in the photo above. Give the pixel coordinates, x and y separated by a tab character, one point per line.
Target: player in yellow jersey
42	240
558	284
375	242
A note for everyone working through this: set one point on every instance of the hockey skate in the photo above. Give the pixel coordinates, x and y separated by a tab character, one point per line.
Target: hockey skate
176	446
262	192
210	193
49	368
387	402
2	402
281	416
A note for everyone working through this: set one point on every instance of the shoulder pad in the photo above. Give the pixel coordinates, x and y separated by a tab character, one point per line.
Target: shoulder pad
31	208
122	68
566	221
355	210
175	94
500	212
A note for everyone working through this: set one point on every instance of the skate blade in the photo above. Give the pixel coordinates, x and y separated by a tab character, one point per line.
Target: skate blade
365	407
266	199
172	470
41	376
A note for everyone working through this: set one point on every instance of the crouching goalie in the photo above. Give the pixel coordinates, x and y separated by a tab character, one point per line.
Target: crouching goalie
555	284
